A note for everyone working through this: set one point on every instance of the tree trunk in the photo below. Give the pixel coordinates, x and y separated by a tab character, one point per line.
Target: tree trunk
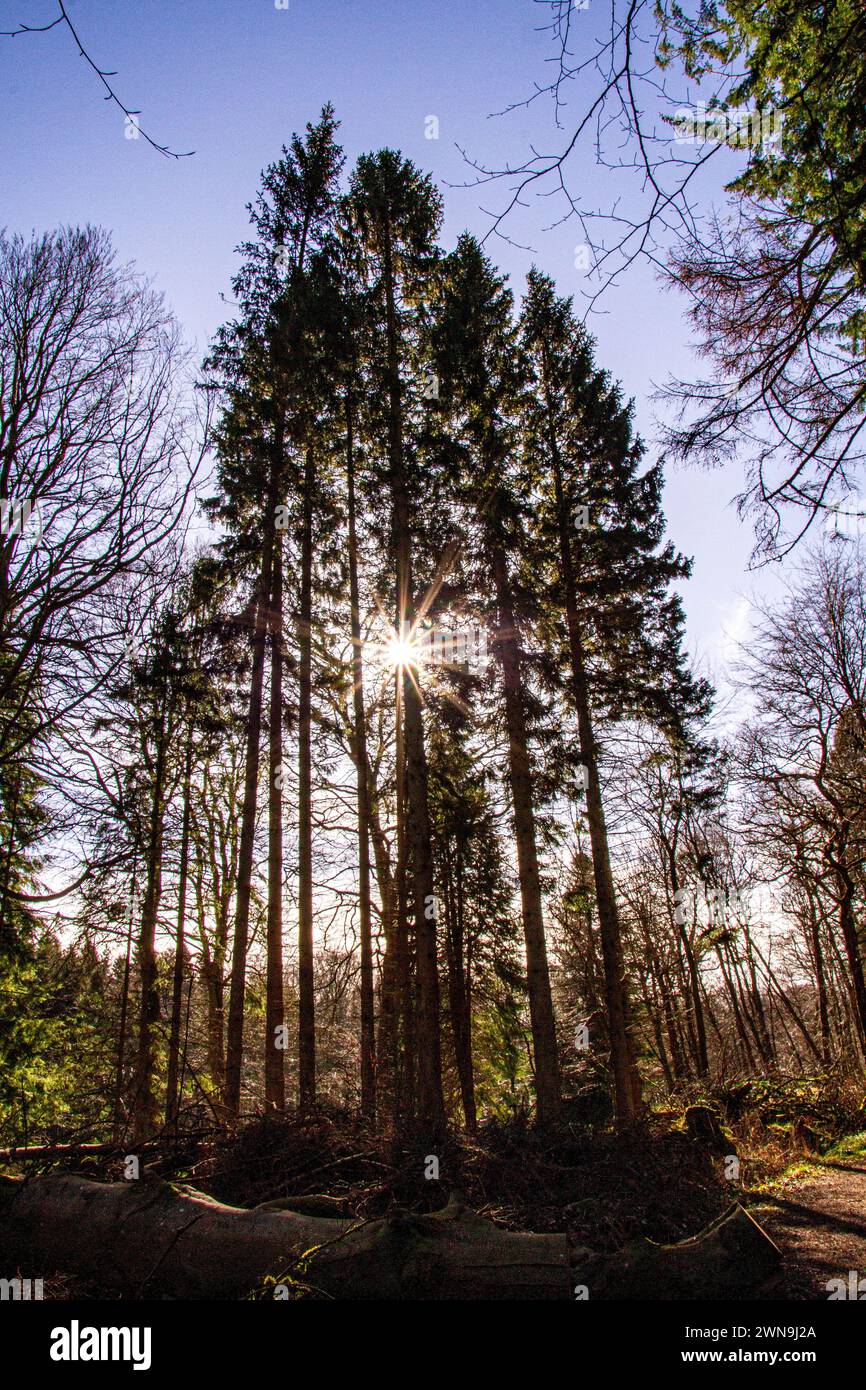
306	963
368	1039
117	1121
275	1076
212	979
404	1075
237	989
745	1045
144	1115
627	1085
431	1106
546	1058
848	931
172	1094
820	979
694	974
387	1059
460	996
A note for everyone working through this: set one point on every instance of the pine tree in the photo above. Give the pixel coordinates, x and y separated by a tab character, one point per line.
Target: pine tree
482	383
473	891
601	526
394	214
264	360
368	1036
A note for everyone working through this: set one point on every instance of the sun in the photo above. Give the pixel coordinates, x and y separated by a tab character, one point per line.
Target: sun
401	652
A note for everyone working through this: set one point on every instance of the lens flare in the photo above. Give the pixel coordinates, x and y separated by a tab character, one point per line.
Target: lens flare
400	652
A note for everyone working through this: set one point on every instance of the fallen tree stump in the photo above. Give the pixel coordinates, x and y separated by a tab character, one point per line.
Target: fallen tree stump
733	1257
704	1127
150	1238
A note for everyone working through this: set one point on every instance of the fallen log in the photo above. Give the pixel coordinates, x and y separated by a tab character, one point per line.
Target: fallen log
150	1238
73	1149
52	1151
732	1258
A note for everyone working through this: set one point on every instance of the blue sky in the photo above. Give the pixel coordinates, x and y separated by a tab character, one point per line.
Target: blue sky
232	79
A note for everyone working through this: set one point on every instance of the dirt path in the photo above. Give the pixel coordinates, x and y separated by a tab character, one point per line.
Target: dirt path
820	1225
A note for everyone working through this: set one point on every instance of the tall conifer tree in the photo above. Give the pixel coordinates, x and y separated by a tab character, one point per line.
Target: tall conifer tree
482	384
395	215
601	528
264	359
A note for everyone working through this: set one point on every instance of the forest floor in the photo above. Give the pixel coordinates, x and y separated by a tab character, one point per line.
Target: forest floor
604	1190
817	1217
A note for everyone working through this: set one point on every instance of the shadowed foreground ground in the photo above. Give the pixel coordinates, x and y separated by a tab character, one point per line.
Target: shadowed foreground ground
602	1191
820	1226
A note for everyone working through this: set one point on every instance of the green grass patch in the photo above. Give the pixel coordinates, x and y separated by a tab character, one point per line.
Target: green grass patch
797	1172
852	1146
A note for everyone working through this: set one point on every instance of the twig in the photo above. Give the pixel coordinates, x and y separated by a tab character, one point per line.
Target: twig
102	73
